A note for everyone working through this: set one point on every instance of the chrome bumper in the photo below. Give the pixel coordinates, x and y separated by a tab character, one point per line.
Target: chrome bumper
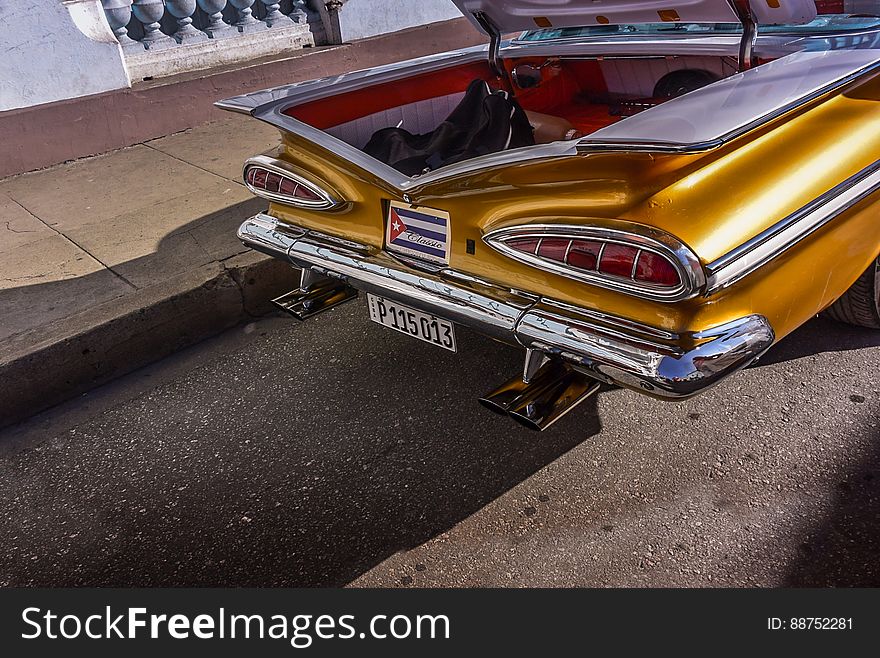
609	348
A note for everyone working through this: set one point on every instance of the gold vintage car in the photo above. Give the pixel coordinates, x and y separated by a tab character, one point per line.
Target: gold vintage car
704	182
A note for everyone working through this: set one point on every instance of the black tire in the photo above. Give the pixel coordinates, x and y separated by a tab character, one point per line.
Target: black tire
681	82
860	305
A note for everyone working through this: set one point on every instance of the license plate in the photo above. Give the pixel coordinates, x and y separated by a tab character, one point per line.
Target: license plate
418	232
411	322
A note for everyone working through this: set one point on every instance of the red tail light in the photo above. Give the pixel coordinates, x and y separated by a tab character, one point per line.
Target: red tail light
618	260
265	177
525	245
584	254
656	269
269	181
553	248
631	263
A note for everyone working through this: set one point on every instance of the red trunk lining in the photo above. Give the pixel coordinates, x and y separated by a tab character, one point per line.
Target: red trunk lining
565	90
563	93
328	112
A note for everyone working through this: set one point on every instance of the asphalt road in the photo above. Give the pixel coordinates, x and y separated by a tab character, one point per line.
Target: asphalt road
335	451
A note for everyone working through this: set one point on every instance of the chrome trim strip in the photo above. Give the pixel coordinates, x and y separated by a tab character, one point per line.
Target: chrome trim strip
284	169
683	259
658	146
842	38
607	347
615	323
775	240
632	274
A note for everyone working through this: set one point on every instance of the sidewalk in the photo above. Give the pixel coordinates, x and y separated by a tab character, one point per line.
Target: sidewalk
111	262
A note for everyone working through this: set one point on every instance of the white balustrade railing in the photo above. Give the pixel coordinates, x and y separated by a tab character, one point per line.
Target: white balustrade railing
159	24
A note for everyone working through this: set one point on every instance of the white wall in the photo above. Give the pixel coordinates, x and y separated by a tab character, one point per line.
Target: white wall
367	18
53	50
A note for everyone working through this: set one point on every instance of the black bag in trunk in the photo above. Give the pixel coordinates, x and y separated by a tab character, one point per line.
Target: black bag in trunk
485	121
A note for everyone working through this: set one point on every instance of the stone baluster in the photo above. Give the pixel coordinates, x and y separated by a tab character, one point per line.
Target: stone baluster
246	21
182	10
150	12
118	14
273	16
216	28
298	14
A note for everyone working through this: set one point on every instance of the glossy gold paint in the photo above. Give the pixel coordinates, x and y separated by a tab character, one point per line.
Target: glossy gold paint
712	202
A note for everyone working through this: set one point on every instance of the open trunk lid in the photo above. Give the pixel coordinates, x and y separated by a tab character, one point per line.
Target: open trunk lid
517	15
693	123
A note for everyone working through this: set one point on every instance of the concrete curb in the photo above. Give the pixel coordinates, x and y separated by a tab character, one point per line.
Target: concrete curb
117	337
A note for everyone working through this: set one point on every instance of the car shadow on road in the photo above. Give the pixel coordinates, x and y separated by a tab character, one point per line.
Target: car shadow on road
429	458
843	549
347	452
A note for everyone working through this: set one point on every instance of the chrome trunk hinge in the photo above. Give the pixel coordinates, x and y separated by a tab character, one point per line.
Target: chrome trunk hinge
494	42
747	44
746	16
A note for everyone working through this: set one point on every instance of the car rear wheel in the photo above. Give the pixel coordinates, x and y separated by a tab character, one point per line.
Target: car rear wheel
860	305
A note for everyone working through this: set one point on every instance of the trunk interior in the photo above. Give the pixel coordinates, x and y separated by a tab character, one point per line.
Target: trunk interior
580	93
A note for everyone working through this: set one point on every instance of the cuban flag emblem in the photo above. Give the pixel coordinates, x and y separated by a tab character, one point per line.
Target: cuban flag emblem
422	233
